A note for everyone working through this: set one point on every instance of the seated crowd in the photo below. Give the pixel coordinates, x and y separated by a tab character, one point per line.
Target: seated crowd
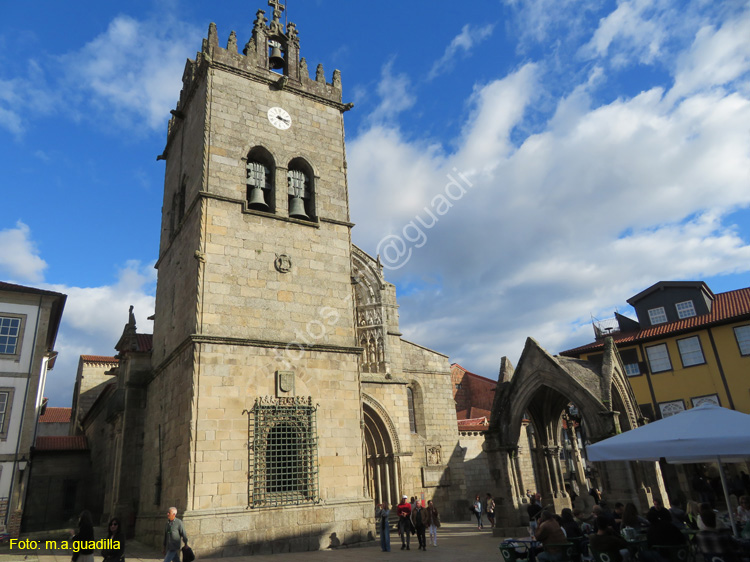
623	534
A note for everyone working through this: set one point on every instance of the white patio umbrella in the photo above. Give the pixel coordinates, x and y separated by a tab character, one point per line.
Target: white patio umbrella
708	433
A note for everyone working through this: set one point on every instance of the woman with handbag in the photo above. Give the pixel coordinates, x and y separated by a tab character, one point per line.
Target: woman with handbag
115	533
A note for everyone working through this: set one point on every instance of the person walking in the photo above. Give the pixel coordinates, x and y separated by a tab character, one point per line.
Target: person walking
115	532
432	521
403	510
490	505
84	535
417	520
478	511
174	533
383	513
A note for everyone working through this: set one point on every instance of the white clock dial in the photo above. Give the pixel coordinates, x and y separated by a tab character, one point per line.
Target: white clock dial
279	118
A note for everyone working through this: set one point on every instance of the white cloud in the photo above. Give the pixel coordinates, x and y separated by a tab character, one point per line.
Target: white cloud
601	202
716	58
19	255
93	321
25	96
394	91
636	26
133	70
460	46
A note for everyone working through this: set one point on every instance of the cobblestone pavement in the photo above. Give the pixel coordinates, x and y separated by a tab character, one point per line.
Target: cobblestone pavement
457	542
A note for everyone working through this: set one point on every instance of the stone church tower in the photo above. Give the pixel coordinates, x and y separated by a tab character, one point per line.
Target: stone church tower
282	402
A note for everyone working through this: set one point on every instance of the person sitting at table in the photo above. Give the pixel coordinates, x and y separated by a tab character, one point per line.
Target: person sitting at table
692	514
743	510
617	514
631	518
661	532
606	541
712	540
678	514
658	507
583	521
551	536
602	511
707	513
569	525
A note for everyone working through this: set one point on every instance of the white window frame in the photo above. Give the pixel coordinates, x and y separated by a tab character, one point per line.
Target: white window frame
16	355
5	410
742	335
671	408
685	309
655	315
632	369
708	399
691	351
655	363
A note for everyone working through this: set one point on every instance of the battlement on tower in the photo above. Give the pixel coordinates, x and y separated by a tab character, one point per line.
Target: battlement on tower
270	56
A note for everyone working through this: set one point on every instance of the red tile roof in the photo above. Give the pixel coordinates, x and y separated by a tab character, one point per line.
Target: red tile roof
145	342
56	415
473	424
727	307
99	359
474	374
62	443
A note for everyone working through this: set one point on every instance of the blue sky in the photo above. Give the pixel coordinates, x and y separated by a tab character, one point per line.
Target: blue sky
520	166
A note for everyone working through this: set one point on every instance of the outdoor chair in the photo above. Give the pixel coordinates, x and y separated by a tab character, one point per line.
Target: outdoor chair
605	556
570	552
510	554
720	557
674	553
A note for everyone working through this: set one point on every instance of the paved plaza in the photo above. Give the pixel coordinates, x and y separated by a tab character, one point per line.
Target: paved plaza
456	542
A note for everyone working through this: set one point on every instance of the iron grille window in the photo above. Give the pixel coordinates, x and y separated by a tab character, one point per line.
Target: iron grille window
283	452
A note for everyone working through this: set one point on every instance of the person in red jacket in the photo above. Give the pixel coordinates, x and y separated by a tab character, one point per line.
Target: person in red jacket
403	510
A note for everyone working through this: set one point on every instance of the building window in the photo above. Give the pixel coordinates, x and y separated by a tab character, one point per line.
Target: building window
657	315
458	386
6	402
283	452
260	180
685	309
691	352
742	333
671	408
658	358
630	361
10	335
410	407
708	399
300	189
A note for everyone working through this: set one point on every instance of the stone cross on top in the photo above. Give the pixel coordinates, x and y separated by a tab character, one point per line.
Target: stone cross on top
278	7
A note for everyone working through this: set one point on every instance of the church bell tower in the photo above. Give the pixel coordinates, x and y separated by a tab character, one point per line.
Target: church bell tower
253	413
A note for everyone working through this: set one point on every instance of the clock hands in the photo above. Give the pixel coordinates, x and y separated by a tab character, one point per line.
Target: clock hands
282	119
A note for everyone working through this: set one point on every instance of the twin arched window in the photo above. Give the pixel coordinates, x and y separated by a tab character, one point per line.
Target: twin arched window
261	192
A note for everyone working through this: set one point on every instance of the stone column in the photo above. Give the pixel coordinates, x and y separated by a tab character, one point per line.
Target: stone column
387	480
378	484
395	476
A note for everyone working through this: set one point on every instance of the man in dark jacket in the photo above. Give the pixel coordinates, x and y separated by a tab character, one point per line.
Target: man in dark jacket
174	533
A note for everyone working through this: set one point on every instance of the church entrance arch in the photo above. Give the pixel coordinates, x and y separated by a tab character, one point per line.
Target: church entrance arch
381	460
543	415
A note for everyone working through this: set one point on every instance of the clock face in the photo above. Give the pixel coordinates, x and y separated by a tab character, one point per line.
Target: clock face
279	118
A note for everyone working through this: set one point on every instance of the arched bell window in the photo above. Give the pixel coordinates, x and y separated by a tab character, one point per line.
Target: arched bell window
260	180
301	190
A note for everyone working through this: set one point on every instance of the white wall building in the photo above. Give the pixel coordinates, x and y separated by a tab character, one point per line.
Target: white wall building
29	321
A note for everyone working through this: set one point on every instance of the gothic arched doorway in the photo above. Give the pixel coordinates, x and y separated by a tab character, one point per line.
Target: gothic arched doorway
381	468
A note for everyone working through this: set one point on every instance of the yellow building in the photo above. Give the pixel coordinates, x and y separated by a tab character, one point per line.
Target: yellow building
688	346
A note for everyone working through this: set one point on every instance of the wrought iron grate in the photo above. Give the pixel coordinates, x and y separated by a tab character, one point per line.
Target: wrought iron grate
282	452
